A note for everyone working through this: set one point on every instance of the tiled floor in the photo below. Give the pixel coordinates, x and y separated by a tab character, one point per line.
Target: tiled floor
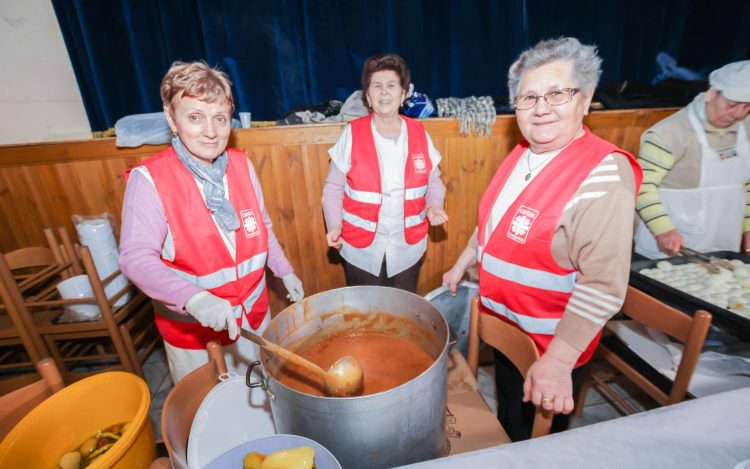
599	407
159	383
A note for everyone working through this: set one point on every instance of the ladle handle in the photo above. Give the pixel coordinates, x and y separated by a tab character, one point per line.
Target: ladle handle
282	352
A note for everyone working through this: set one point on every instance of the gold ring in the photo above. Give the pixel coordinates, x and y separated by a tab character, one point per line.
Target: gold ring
547	400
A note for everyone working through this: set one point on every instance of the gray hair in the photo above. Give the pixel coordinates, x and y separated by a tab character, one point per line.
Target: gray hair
587	65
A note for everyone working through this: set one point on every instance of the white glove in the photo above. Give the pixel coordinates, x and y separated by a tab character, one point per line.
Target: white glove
213	312
294	287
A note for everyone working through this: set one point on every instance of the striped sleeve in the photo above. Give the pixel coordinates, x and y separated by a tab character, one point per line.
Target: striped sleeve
599	223
656	160
747	208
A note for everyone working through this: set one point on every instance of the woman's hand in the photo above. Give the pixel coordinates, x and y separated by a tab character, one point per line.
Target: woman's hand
550	378
436	215
670	241
452	277
465	260
333	238
294	286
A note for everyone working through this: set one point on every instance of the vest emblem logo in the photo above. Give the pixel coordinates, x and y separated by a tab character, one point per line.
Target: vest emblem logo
420	166
521	224
249	223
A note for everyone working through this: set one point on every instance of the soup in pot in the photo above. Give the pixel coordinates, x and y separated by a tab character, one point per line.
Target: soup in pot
388	359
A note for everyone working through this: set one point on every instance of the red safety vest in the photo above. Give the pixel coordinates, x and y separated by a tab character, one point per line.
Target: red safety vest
201	257
363	190
519	280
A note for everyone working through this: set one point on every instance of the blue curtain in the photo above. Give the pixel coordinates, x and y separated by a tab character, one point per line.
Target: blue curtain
284	53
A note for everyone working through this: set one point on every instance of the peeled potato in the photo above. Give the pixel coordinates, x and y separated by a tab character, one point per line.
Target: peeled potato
88	447
297	458
253	461
71	460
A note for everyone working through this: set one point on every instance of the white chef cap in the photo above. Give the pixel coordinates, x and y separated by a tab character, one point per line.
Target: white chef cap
733	81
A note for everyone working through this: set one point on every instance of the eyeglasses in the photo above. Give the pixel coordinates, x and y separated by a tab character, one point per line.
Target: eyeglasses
554	98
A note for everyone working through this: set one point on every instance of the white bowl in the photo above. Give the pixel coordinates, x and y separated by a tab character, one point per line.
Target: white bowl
270	444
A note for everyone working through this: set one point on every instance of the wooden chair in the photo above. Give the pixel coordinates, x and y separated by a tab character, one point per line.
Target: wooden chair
15	406
115	336
22	346
182	404
511	342
652	313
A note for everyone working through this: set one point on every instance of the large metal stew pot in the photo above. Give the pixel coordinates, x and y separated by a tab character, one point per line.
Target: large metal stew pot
400	426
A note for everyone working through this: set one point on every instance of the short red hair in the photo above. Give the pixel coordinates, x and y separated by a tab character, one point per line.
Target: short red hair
195	80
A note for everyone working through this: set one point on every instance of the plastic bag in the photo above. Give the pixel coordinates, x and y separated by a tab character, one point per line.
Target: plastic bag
147	129
99	234
139	129
418	106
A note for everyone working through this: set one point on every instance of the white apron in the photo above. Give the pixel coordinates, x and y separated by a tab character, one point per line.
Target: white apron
709	218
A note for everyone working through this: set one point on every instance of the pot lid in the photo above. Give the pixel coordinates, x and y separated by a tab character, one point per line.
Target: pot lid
230	415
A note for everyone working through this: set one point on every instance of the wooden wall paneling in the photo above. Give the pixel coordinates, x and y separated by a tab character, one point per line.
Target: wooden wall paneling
298	187
24	212
263	163
45	186
332	259
42	185
74	195
452	165
319	255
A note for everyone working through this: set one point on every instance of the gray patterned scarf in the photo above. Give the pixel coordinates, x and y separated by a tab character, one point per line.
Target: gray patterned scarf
213	185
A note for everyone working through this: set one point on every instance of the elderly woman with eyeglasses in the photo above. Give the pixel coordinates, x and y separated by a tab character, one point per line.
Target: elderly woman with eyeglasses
555	232
383	186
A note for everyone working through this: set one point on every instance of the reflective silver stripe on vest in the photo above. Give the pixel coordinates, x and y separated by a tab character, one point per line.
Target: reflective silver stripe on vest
528	277
415	220
360	222
362	196
213	280
415	193
479	253
256	262
250	300
527	323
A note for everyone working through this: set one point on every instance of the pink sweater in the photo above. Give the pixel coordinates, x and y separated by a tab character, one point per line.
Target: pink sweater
144	229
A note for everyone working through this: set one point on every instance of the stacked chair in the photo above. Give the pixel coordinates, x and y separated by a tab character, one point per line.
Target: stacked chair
28	281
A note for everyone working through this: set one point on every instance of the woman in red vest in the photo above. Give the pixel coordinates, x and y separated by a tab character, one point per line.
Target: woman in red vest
555	232
383	185
196	236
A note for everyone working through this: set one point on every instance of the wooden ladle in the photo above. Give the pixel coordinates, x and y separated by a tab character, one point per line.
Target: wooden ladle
343	379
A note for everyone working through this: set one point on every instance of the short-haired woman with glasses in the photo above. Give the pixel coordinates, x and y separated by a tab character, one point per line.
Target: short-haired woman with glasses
555	232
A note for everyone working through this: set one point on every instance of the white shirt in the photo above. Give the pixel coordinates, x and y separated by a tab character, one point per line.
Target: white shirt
516	184
389	238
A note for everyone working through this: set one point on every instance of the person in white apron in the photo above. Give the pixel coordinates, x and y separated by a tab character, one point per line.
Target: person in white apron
694	192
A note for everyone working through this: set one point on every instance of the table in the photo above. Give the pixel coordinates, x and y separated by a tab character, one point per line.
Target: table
710	432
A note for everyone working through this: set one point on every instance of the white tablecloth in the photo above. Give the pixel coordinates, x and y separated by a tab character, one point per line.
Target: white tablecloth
710	432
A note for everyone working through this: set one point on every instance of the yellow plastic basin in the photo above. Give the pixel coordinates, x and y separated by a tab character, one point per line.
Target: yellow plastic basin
62	422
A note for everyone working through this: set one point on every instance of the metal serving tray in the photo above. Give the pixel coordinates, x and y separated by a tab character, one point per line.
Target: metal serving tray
722	318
